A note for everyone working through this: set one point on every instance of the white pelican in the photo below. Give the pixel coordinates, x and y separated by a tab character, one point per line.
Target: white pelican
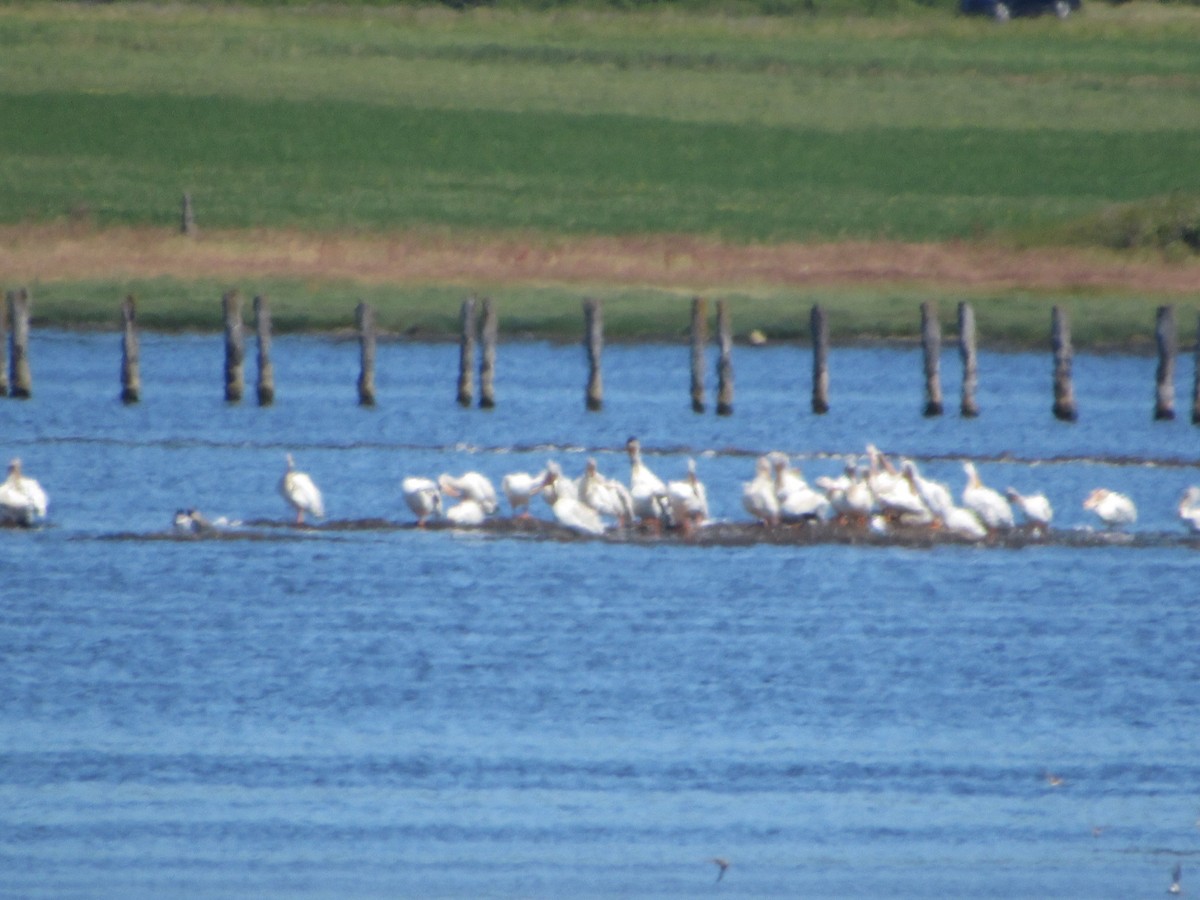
519	488
466	511
797	501
300	493
935	495
758	496
991	507
1034	507
848	494
688	499
471	486
569	511
895	497
22	500
959	520
423	498
1189	508
647	489
1113	509
606	496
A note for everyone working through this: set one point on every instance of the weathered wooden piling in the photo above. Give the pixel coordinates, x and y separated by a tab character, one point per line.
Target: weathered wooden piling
266	371
968	408
724	360
1060	344
4	348
364	319
187	223
1164	378
1196	379
819	326
20	377
466	353
131	380
931	346
231	306
699	333
593	343
489	331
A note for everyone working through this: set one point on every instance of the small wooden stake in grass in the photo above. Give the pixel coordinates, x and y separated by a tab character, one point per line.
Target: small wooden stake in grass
364	318
969	409
187	225
593	342
699	332
488	331
931	346
1164	379
20	378
466	353
266	371
1060	343
231	307
819	326
131	382
725	360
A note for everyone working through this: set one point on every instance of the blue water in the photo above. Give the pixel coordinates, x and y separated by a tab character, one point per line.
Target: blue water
391	713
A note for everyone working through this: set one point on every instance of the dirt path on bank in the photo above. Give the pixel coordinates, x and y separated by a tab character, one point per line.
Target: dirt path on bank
62	253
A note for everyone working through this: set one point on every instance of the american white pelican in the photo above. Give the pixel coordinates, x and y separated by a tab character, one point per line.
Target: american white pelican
848	494
423	498
606	496
569	511
466	512
647	489
758	496
1034	507
1113	509
894	495
991	507
22	500
797	501
519	488
300	493
688	499
471	486
1189	508
935	495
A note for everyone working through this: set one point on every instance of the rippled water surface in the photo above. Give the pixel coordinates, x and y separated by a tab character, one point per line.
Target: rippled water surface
388	712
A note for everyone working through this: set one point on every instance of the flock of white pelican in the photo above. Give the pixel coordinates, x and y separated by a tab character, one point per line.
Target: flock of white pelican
872	492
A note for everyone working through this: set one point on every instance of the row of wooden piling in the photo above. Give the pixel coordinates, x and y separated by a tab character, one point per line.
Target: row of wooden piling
479	323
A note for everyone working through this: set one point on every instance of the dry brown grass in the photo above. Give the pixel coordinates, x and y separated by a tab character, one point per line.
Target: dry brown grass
49	253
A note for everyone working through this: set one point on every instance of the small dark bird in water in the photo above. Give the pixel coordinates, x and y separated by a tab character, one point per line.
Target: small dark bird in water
1054	780
1176	875
722	864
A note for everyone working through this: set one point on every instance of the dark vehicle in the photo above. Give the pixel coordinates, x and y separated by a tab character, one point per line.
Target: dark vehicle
1003	10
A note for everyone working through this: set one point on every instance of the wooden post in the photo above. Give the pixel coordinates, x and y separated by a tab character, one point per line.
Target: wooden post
1196	380
1060	343
488	332
20	378
1164	379
131	382
593	342
266	371
819	327
4	347
466	353
969	409
931	346
231	306
187	225
699	339
364	318
725	360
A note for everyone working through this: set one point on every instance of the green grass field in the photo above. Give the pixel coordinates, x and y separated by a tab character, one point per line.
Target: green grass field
920	126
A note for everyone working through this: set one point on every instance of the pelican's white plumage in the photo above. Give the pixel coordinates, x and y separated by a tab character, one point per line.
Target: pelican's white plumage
1035	508
471	486
1189	508
22	500
647	489
759	497
606	496
797	501
894	496
519	488
569	511
1113	509
423	498
963	522
298	489
935	495
991	507
466	511
688	499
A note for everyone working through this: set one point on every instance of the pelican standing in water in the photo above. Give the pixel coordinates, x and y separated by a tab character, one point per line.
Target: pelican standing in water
569	511
759	497
1189	509
423	498
22	500
606	496
688	499
797	501
1034	507
1115	510
471	486
519	488
993	510
895	497
647	489
301	493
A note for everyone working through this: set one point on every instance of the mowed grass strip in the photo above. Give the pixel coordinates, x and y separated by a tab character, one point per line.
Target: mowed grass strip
126	159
